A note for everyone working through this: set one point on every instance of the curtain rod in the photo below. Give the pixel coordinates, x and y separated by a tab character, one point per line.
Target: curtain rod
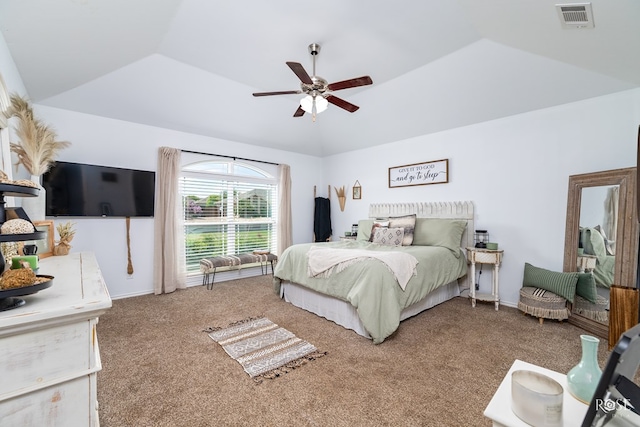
229	157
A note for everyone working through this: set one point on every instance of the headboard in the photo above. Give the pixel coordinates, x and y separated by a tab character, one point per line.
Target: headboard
448	210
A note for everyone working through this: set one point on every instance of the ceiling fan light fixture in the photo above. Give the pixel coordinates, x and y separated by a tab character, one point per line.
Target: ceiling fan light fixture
321	104
309	102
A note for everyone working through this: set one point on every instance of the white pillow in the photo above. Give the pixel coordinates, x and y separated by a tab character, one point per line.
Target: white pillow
388	236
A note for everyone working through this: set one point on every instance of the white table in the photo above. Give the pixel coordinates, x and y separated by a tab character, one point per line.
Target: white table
499	408
485	256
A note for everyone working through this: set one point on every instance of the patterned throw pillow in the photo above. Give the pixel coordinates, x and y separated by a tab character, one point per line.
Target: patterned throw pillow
408	223
376	224
388	236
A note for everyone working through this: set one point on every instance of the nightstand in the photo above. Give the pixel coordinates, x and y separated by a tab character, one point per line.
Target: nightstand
586	263
485	256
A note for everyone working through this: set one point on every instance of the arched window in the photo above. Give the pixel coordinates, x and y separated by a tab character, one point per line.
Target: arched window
229	208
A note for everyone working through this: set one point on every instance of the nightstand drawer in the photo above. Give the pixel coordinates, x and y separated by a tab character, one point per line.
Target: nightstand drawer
484	256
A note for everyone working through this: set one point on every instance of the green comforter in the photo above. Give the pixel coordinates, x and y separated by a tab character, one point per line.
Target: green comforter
369	285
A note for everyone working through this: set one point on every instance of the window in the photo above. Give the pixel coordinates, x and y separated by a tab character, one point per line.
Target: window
229	208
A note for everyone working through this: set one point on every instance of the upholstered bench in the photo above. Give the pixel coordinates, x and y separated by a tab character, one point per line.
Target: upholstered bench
542	304
208	266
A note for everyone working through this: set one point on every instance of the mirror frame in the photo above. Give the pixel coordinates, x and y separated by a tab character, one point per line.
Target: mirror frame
625	270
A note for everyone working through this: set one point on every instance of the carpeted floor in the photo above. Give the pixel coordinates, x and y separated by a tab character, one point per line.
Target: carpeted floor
440	368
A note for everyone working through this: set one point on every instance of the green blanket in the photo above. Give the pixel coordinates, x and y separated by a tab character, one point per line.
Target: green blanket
369	286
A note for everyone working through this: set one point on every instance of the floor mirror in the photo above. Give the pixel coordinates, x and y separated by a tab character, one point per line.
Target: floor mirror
601	238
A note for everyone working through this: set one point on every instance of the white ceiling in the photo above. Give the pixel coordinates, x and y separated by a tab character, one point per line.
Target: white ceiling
192	65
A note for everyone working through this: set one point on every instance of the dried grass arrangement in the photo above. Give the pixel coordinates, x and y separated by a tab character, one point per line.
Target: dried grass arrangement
342	198
66	233
38	145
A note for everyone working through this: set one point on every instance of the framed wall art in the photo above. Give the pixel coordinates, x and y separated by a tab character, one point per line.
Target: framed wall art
434	172
357	191
45	246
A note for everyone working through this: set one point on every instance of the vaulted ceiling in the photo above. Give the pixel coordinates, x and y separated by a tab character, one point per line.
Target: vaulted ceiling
192	65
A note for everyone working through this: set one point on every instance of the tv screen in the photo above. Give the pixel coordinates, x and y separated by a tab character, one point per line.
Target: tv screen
75	189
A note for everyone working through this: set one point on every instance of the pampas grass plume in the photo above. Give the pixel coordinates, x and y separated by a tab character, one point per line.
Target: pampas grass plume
38	146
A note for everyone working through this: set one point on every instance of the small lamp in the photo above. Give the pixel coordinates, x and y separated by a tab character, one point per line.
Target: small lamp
480	238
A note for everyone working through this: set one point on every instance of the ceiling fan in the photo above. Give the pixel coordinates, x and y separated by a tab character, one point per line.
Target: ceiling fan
318	91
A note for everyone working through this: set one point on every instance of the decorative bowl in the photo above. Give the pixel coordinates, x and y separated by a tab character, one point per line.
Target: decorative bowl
492	246
536	399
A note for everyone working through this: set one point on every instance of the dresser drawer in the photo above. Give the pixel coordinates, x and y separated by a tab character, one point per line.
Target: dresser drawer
38	357
66	404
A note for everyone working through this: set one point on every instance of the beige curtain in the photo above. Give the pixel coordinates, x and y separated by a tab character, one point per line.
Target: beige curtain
168	261
285	238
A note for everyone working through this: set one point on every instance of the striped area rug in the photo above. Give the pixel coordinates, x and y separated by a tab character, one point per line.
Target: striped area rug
264	349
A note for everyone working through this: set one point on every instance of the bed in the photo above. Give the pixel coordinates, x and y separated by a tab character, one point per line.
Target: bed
593	242
365	293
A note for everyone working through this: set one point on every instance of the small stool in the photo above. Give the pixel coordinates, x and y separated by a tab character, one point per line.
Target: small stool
598	311
542	304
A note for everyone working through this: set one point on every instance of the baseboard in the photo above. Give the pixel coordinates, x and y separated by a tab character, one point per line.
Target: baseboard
196	279
465	294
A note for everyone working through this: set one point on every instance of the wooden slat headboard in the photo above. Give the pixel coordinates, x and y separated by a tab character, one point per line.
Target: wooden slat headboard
451	210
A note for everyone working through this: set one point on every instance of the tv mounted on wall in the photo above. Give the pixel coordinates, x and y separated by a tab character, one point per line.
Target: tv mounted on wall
76	189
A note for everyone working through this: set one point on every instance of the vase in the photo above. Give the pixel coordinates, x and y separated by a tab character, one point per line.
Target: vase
583	378
35	206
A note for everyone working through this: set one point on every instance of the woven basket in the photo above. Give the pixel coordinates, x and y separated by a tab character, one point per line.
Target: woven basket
542	304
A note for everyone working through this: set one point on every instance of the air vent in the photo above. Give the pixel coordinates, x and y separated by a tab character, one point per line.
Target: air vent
575	15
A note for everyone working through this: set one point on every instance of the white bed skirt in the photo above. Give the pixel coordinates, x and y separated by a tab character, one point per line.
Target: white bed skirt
345	315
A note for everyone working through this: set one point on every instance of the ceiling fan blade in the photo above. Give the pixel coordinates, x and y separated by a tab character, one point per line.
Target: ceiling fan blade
285	92
299	70
339	102
299	112
346	84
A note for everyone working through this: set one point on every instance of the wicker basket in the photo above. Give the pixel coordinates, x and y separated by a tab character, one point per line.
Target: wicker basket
542	304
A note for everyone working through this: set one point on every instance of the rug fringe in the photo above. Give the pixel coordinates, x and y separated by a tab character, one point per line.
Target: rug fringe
284	369
237	322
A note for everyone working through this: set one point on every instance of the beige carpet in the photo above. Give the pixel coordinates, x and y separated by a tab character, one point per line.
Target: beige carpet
439	369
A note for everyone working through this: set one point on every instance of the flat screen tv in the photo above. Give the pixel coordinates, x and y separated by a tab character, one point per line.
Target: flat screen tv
76	189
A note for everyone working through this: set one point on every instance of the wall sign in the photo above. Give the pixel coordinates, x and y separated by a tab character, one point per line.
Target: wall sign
435	172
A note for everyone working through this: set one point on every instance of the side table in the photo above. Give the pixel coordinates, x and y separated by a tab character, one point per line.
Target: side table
485	256
586	263
499	408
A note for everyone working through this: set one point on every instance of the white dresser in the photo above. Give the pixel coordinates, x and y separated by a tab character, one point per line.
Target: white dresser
49	355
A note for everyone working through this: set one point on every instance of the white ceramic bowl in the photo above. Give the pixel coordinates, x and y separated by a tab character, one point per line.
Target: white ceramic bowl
536	399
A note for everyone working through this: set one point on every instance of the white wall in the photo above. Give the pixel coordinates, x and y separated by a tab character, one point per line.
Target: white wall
109	142
515	170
